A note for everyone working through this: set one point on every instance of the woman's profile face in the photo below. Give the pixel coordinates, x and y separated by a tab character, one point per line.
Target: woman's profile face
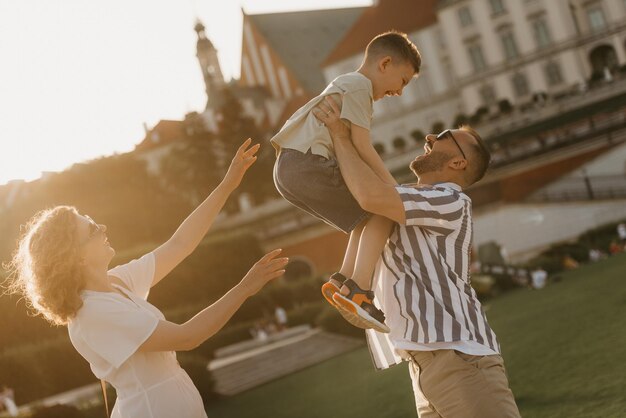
92	238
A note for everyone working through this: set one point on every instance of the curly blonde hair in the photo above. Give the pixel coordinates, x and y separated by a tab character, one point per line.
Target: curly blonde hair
46	265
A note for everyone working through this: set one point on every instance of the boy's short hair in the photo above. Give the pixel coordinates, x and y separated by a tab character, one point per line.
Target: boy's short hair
396	44
480	163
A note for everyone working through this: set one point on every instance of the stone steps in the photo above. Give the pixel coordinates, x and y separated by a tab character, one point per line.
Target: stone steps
248	370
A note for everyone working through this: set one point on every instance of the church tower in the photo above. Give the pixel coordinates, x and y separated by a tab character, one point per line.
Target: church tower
210	66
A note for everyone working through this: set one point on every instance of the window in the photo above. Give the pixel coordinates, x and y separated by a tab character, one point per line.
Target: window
418	135
597	21
542	35
465	16
497	7
476	56
520	85
437	127
488	94
509	45
399	144
553	73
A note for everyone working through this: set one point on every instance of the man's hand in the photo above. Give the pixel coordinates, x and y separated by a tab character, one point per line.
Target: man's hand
241	162
328	113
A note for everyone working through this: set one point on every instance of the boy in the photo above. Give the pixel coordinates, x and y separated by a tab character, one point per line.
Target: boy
307	175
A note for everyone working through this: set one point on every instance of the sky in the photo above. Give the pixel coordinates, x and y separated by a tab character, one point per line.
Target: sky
79	79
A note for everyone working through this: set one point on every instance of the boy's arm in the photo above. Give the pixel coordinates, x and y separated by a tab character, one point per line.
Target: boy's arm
363	144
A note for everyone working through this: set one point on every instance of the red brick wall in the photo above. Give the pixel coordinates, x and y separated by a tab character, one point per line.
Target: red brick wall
324	252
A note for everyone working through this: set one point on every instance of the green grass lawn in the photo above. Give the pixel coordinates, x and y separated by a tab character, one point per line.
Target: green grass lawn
564	348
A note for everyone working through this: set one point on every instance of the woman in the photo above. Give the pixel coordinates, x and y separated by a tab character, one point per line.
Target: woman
61	266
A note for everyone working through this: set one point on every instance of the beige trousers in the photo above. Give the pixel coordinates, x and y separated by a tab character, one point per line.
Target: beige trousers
451	384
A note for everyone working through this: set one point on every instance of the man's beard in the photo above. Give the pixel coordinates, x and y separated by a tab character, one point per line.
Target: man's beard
435	161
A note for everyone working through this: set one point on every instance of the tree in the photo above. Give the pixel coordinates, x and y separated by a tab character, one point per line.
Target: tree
117	191
193	167
234	128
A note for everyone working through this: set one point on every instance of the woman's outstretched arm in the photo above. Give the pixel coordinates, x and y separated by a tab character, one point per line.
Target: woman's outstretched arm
169	336
192	230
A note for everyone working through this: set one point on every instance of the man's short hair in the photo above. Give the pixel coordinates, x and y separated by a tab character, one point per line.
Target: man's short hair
397	45
482	156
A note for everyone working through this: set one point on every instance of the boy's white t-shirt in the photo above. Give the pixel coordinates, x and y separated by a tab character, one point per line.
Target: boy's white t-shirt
303	131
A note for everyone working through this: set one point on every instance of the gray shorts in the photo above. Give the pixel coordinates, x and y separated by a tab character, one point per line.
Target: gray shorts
314	184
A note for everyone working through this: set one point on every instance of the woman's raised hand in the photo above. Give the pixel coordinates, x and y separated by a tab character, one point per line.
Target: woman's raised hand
267	268
241	162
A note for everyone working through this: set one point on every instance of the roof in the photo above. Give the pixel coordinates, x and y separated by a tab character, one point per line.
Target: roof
402	15
304	39
165	131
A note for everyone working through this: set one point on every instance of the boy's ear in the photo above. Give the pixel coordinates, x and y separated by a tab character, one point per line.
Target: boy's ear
384	63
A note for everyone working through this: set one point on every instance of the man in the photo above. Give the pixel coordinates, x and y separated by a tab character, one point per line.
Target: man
422	279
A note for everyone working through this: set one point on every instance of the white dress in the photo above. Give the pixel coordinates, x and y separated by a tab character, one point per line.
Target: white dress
107	331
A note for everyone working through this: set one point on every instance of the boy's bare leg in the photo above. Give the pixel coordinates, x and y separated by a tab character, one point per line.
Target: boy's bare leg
347	266
371	244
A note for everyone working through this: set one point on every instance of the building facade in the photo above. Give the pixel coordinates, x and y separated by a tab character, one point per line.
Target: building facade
544	81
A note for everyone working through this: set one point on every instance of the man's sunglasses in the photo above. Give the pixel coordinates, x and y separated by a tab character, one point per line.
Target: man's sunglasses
448	132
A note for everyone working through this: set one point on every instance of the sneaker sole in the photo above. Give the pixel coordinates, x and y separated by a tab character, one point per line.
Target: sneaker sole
351	318
357	316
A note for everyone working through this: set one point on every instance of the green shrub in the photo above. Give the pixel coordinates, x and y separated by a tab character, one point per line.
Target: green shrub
209	272
550	264
36	371
331	320
306	314
600	237
551	260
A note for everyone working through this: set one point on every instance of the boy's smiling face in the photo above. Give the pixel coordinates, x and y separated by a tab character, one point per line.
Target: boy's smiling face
392	77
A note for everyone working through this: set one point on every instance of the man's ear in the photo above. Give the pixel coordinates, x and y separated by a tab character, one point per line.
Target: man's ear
384	63
458	163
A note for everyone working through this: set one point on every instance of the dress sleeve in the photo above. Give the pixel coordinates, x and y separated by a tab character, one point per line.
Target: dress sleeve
115	329
432	207
358	108
137	275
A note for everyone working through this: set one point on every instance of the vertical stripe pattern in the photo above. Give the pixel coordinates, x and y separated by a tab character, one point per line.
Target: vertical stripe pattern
422	280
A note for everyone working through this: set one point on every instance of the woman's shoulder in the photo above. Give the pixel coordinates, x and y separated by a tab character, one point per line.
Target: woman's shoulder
97	303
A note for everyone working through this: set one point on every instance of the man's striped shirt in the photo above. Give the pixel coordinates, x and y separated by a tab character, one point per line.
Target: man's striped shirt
422	280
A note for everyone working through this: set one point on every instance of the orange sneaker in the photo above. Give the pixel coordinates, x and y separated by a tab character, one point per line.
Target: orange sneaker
358	308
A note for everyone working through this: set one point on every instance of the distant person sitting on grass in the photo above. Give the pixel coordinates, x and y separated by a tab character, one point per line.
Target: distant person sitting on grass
569	263
423	281
62	267
307	176
615	247
539	277
621	232
281	317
